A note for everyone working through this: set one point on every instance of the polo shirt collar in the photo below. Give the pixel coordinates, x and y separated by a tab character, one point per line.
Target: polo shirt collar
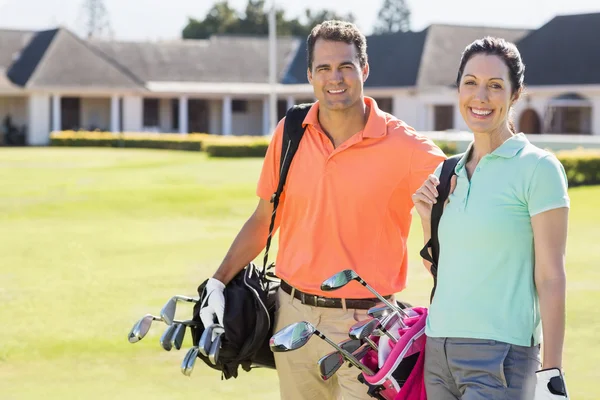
376	122
508	149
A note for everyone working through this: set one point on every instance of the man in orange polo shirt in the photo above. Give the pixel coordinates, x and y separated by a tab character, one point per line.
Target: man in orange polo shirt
346	205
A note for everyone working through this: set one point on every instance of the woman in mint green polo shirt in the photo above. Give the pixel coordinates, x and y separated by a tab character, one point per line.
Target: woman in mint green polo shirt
501	279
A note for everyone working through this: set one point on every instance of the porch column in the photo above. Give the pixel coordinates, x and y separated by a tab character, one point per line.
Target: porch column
56	114
133	113
226	116
115	114
596	116
266	121
291	101
38	120
183	114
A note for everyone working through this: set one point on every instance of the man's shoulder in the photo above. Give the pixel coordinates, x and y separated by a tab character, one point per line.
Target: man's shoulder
400	131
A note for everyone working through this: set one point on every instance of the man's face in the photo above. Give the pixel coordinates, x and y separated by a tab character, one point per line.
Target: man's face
336	75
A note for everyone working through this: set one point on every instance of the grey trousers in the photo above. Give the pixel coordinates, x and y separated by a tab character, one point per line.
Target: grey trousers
474	369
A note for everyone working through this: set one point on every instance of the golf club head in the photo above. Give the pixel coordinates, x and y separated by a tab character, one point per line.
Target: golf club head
339	280
140	328
380	310
207	338
390	320
187	365
362	329
168	311
350	345
178	336
213	353
329	364
362	351
291	337
166	340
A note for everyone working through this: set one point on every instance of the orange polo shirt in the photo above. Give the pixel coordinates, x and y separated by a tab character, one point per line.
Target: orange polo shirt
349	207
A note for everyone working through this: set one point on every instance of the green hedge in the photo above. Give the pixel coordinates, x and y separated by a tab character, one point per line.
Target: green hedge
582	167
170	141
139	144
256	149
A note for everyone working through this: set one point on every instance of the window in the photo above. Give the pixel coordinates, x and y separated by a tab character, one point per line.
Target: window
70	113
443	118
151	112
175	114
239	106
384	104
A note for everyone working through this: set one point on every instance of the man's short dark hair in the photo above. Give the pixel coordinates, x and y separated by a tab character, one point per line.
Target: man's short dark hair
337	31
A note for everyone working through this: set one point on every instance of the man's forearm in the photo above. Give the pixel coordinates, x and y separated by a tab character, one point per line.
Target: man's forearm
552	307
248	244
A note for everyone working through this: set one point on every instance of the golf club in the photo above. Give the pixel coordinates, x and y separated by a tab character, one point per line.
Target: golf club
362	329
141	327
207	338
330	363
166	338
187	366
213	353
342	278
296	335
168	311
381	310
350	345
178	336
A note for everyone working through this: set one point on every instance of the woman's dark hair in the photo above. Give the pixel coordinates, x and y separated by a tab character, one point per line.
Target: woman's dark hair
508	52
337	31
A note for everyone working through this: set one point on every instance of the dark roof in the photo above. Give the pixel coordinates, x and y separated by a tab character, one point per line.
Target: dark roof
395	58
444	47
218	59
30	57
565	51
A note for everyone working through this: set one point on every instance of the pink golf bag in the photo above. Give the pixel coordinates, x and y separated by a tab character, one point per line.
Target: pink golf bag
399	366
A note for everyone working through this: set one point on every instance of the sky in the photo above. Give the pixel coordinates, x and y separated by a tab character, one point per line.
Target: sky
141	20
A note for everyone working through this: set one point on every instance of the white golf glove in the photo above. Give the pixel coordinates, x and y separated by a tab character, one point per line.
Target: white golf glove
550	385
213	304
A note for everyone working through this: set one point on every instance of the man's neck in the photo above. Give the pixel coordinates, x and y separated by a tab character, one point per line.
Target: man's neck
341	125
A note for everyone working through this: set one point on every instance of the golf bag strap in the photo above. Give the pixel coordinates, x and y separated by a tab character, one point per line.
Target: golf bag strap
436	214
293	130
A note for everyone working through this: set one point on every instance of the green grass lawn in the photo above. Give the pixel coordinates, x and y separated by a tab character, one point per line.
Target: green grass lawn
92	239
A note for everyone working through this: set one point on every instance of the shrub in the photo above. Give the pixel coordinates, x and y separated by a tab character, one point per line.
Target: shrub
581	166
245	146
171	141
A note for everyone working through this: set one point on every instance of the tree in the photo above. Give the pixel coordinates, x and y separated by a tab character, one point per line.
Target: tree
393	16
96	21
222	19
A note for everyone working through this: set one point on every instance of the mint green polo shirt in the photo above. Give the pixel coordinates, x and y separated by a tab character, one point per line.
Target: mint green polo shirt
485	280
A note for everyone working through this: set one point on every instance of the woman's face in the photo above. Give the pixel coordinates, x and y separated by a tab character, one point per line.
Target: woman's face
485	94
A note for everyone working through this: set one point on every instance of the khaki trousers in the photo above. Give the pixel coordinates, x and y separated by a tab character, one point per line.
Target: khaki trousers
298	371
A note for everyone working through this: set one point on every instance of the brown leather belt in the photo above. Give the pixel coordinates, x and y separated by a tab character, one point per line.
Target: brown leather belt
330	302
